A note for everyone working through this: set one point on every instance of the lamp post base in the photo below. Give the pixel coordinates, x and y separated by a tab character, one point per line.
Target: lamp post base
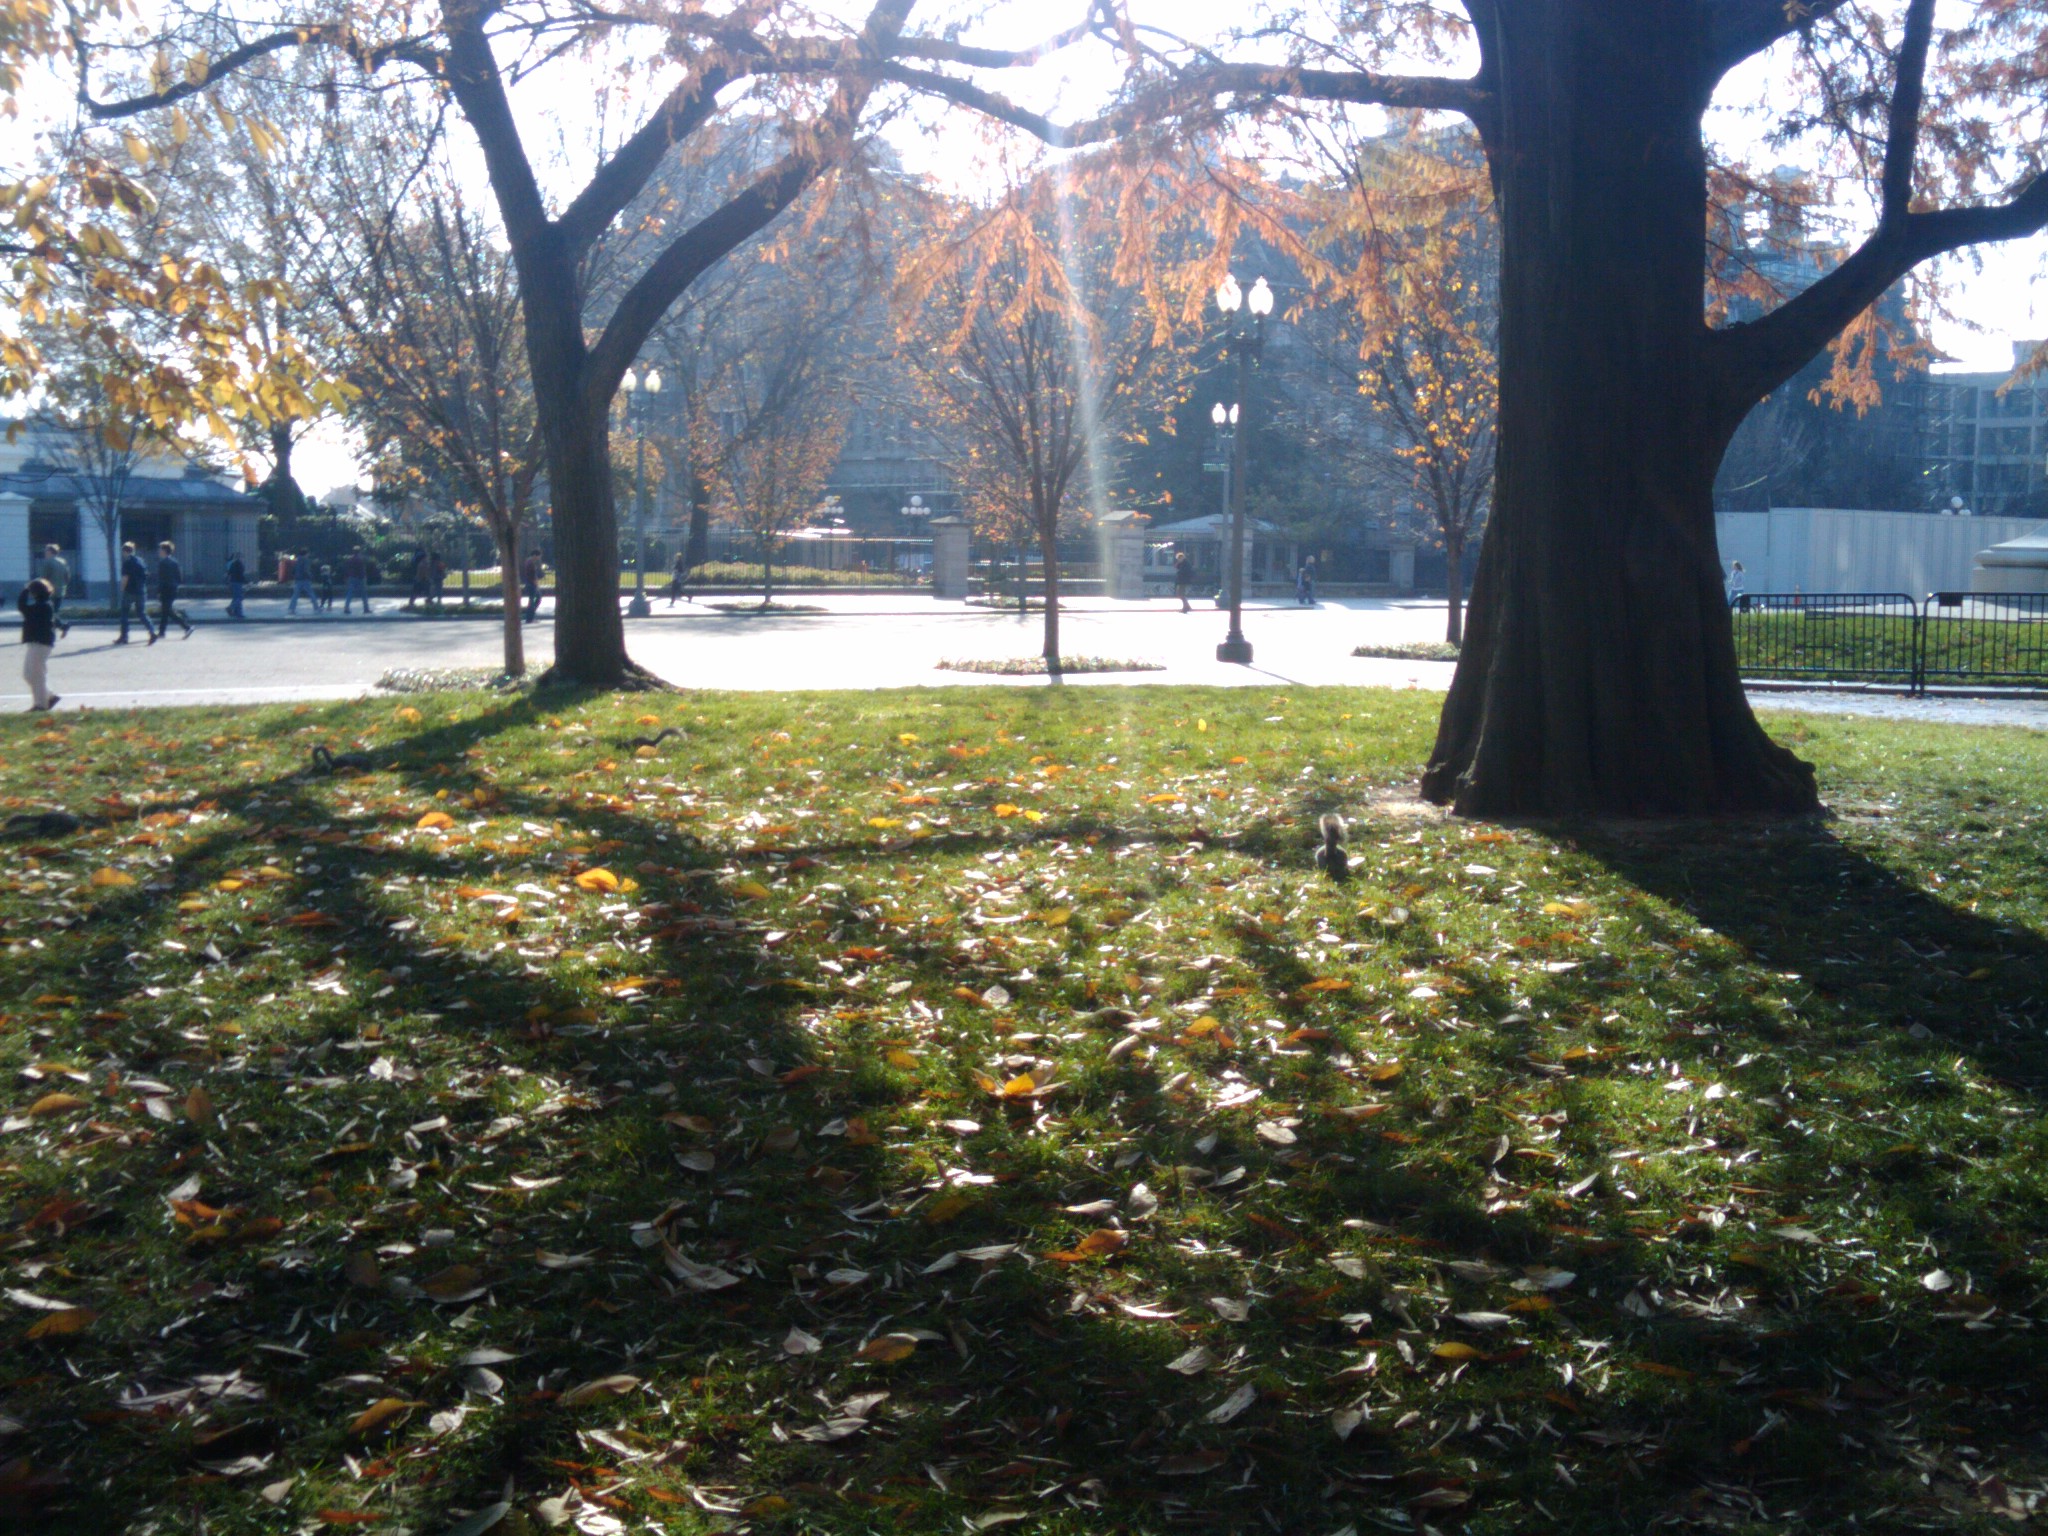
639	608
1236	649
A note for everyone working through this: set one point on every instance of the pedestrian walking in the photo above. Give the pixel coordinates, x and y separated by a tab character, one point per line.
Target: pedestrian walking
437	576
238	584
420	582
169	577
56	570
678	579
134	589
38	638
1305	583
1738	584
325	600
1183	578
529	578
355	580
296	571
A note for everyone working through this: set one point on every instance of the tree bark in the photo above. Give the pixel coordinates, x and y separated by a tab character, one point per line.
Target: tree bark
1598	671
590	636
1049	553
508	591
1454	577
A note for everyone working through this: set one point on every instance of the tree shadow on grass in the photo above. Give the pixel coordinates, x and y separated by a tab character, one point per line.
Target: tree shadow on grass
1037	1377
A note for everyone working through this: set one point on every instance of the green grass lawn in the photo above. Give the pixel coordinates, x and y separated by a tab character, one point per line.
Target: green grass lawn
954	1110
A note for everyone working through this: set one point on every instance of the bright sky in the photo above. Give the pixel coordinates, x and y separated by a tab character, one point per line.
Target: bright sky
1998	295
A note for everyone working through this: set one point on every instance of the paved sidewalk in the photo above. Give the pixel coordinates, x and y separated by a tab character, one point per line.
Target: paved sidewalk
862	641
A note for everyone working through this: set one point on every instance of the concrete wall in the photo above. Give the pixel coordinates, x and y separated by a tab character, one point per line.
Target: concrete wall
1831	549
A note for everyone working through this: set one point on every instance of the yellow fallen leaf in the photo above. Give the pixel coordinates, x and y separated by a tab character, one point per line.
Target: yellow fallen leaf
1018	1087
888	1349
199	1105
647	719
902	1058
1567	908
908	738
885	821
56	1104
60	1324
191	904
1005	812
1452	1349
434	820
751	890
383	1411
945	1208
107	876
409	715
597	880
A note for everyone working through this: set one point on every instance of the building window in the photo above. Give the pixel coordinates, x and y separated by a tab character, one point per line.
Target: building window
2014	402
2014	441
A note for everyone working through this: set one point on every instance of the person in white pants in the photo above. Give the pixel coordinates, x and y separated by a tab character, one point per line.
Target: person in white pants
38	636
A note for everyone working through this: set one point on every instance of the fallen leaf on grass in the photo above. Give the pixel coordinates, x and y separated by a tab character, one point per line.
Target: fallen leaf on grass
1096	1245
1231	1405
56	1104
458	1282
602	1386
1193	1362
60	1324
383	1411
888	1349
1193	1464
597	880
797	1342
106	877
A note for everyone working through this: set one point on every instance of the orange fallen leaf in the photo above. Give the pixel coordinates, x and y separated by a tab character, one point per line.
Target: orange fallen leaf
1096	1245
61	1324
56	1104
383	1411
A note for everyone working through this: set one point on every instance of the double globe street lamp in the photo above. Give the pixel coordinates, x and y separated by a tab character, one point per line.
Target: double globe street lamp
1244	316
640	393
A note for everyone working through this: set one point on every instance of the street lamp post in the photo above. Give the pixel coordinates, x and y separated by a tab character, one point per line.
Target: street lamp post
640	393
1245	315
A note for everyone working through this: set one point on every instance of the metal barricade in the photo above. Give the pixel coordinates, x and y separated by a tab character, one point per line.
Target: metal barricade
1829	636
1993	638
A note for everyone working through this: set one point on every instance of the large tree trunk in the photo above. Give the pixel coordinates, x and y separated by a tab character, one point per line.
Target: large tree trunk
1598	672
698	549
590	636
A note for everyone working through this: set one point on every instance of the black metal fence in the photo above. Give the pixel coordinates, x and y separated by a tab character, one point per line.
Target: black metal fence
1953	639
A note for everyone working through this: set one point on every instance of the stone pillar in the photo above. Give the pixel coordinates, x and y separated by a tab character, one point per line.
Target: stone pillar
1122	536
950	540
1401	567
16	564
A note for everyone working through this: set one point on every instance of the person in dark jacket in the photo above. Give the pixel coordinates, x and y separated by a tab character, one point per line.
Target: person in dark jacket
134	587
238	584
437	576
529	577
422	582
169	577
1183	578
355	580
679	579
38	637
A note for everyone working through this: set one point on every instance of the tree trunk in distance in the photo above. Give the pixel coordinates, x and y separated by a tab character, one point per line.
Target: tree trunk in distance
698	549
1050	555
1598	672
1454	561
767	572
508	591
